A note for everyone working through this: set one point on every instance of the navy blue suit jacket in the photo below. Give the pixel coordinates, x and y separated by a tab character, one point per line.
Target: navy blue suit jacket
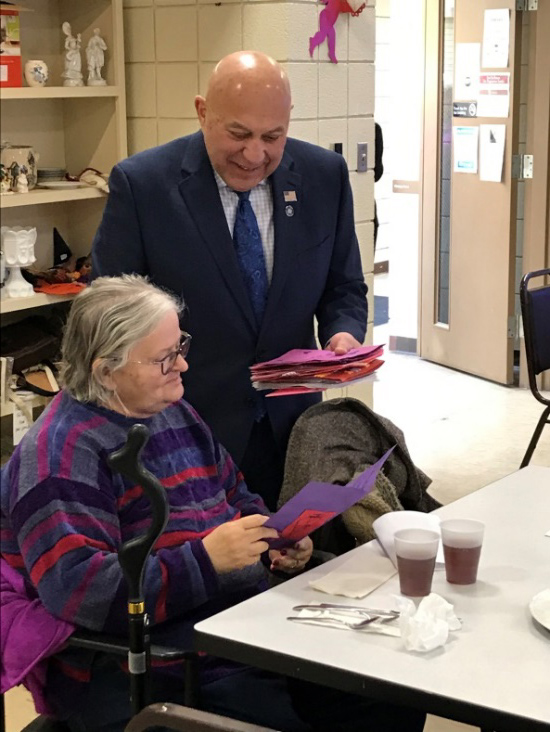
164	218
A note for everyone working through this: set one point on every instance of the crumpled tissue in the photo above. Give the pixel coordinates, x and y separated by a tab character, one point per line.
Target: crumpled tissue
428	626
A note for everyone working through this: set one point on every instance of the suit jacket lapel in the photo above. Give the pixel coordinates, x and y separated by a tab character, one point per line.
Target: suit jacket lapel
200	192
289	231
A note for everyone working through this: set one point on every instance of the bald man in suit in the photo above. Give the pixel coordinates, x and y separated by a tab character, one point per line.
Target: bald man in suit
171	215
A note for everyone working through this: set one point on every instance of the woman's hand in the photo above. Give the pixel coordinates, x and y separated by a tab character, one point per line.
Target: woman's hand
293	559
238	544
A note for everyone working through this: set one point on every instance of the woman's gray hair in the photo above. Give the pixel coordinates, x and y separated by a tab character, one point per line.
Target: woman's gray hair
106	320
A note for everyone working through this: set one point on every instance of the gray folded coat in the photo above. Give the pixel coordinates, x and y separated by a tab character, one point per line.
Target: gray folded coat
336	440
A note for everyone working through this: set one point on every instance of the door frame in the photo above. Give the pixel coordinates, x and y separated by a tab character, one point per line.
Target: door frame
536	246
431	160
536	233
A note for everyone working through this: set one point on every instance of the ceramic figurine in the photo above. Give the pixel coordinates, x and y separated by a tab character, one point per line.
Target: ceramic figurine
5	185
95	57
36	73
22	185
14	170
73	62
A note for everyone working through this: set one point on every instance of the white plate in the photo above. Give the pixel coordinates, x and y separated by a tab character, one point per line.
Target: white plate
540	608
60	184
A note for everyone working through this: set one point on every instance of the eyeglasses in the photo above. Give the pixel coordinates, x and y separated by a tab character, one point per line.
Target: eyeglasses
168	362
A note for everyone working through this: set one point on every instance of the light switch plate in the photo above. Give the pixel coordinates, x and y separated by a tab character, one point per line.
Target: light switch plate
362	157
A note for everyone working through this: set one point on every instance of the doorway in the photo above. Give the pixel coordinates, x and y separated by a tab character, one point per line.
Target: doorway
451	295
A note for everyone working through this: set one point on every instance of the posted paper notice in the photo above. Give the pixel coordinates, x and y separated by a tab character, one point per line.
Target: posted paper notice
467	70
496	39
465	141
492	139
494	95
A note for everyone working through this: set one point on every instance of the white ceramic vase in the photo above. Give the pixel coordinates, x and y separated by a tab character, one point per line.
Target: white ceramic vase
17	285
18	247
36	73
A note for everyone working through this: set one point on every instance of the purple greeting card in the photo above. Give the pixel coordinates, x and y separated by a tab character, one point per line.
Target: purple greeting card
317	503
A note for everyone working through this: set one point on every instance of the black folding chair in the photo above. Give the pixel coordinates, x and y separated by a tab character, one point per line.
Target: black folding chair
535	312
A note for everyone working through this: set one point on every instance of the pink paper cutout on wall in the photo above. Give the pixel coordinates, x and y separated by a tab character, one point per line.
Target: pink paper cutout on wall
327	19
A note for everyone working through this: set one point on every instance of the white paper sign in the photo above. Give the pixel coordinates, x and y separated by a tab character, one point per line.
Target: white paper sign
496	39
494	95
465	141
491	152
467	67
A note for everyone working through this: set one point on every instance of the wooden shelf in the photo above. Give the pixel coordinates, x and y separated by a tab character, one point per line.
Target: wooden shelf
38	300
45	195
58	92
6	408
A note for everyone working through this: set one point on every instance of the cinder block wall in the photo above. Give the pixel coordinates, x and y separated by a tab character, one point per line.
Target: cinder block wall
171	46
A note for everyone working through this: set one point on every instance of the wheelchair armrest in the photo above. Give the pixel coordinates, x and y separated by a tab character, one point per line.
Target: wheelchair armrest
184	719
119	646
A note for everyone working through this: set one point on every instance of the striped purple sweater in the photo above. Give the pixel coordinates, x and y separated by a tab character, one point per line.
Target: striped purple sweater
64	515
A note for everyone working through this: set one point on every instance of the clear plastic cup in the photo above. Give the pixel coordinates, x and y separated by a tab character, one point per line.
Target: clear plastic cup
462	540
416	550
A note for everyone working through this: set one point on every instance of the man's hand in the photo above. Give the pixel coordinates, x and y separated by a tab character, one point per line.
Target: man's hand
293	559
341	343
238	544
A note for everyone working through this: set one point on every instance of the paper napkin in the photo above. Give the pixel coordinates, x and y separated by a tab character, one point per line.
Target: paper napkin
362	573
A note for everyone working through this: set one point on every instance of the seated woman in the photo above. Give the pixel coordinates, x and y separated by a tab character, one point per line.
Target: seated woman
65	514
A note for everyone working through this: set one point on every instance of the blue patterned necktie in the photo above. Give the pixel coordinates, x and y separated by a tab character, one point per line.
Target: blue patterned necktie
250	254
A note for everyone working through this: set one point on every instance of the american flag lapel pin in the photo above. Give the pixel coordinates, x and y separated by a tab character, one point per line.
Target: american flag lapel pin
289	196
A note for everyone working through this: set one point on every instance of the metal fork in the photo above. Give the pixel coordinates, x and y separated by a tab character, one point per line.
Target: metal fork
352	609
337	622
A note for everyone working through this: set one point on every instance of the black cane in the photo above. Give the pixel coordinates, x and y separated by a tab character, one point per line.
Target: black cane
132	556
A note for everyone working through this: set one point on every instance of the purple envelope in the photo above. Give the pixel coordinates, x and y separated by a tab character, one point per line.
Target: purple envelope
303	356
317	503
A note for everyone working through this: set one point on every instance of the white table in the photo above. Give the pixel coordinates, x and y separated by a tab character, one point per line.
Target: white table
495	673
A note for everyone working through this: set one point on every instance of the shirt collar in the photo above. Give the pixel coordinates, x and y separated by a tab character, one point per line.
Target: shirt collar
222	184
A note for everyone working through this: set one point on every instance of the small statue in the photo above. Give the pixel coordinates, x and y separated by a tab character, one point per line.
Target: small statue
73	62
13	171
22	185
95	57
5	184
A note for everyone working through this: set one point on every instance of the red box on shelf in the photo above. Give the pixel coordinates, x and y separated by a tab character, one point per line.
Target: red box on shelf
10	47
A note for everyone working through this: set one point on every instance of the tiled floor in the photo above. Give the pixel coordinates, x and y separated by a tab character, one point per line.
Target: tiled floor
462	431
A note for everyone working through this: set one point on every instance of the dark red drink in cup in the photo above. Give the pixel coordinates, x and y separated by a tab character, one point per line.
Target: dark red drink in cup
462	540
415	576
415	550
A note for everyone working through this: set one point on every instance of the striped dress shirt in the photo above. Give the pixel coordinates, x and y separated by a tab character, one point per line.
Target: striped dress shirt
261	200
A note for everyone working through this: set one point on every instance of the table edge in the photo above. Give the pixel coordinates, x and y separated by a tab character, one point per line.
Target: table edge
380	689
